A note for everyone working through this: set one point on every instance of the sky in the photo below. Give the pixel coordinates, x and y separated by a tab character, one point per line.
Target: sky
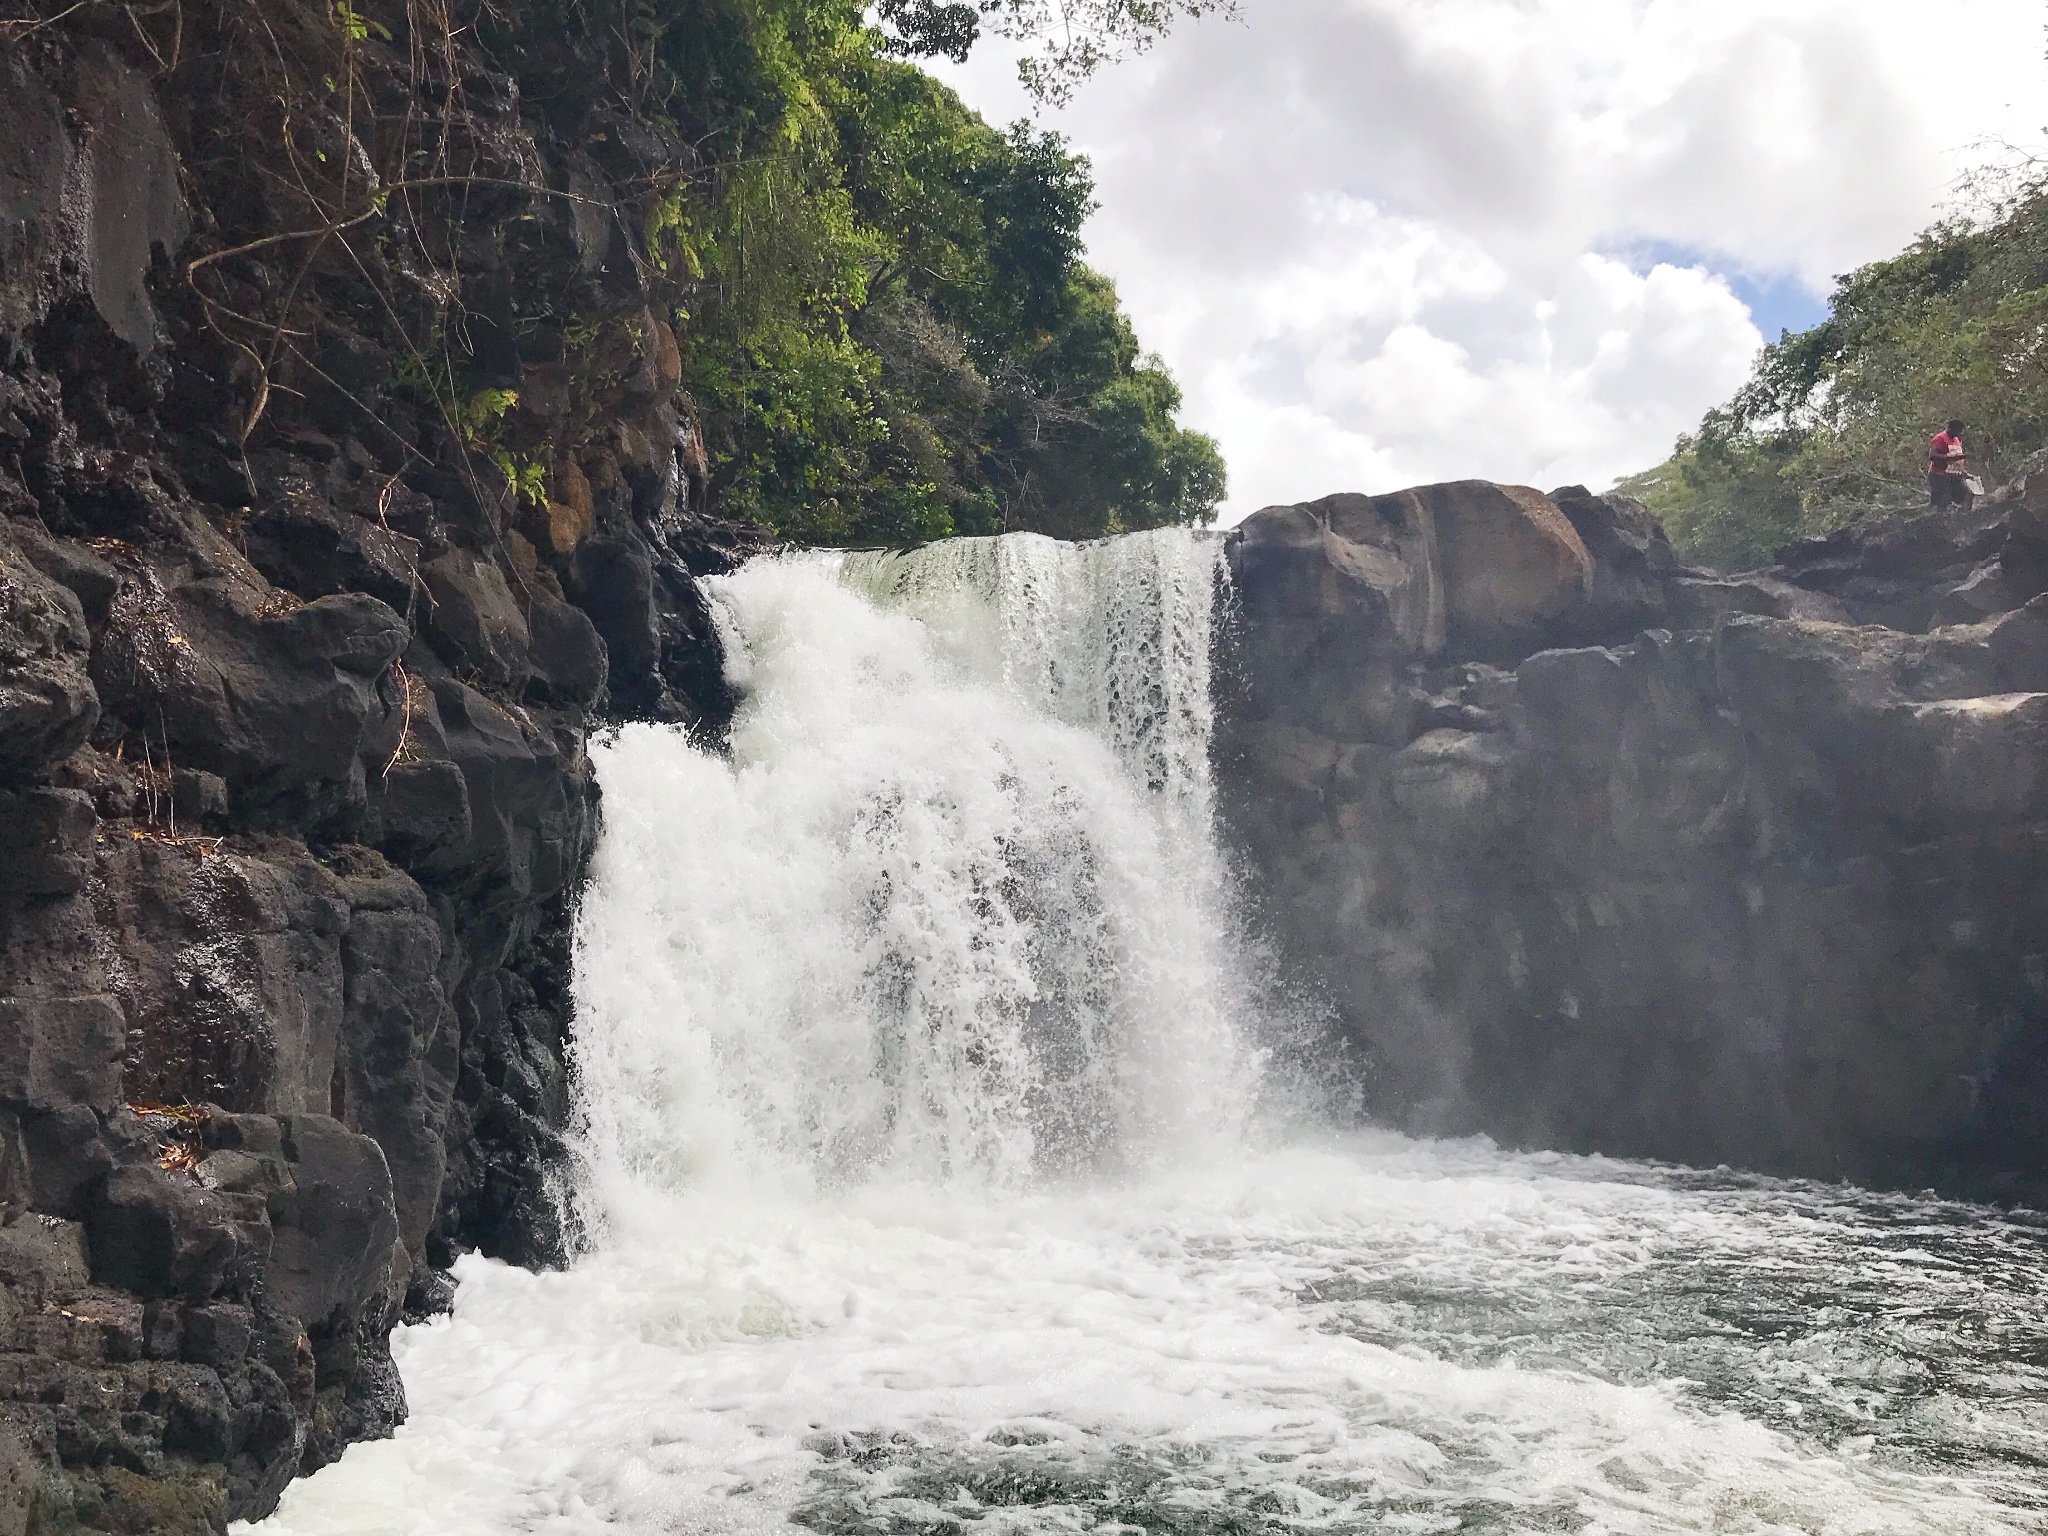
1387	242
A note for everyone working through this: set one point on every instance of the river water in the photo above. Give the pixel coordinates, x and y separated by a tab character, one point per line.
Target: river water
951	1164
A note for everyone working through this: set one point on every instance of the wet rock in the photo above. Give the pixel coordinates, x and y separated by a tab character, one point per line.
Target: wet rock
334	1227
1457	785
137	205
90	579
89	190
306	546
46	842
48	705
233	981
2019	647
396	1078
156	1232
58	1051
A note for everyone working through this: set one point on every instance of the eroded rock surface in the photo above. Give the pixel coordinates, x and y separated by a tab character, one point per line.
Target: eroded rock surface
295	691
1746	869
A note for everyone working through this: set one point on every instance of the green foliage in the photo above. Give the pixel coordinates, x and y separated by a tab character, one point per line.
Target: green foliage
1727	496
1834	421
1075	37
890	336
357	27
526	479
481	416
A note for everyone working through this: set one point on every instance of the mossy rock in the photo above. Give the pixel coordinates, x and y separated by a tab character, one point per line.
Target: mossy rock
184	1502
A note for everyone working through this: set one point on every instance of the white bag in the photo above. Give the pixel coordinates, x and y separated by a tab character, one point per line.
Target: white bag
1973	485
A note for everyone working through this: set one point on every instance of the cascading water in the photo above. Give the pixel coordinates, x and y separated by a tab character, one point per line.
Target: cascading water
931	1189
950	913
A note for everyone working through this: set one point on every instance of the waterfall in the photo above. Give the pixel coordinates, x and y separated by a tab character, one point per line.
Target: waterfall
924	1154
951	909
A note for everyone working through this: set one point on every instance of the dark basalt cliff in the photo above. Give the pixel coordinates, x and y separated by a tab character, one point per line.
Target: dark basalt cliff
294	696
1595	852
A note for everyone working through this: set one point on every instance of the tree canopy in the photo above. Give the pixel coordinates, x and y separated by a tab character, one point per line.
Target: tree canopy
885	322
1834	421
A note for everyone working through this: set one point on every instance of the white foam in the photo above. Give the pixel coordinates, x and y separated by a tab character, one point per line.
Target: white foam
685	1384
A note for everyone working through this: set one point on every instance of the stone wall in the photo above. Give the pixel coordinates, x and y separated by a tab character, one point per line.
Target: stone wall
1610	855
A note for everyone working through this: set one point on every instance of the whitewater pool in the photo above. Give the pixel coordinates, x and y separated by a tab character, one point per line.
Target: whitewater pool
953	1161
1377	1335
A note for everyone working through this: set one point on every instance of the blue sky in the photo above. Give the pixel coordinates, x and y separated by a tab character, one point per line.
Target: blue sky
1777	301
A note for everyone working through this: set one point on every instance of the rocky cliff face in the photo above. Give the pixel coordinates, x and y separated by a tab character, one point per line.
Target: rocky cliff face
297	667
1592	851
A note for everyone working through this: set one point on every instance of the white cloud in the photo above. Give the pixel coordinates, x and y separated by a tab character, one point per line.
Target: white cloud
1377	240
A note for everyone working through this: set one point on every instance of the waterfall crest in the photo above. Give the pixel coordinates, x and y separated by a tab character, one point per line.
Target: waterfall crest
952	910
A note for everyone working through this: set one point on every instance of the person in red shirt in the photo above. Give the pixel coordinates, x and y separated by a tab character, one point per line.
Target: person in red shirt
1948	469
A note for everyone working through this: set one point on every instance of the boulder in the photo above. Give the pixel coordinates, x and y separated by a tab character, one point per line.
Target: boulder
157	1232
1632	563
1471	567
46	842
615	587
475	620
66	1154
570	663
529	819
334	1227
1513	565
219	672
1361	561
58	1051
305	545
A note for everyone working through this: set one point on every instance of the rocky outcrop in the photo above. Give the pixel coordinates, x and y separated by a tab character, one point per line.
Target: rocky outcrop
302	637
1746	869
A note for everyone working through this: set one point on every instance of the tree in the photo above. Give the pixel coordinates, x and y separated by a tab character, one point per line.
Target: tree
891	336
1073	38
1833	422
